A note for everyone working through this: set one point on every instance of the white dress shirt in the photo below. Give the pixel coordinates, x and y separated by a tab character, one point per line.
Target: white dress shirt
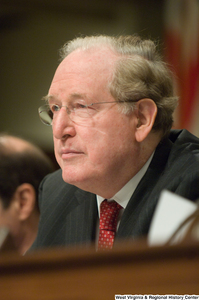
123	196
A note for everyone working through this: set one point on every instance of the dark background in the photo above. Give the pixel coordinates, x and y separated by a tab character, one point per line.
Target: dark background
32	32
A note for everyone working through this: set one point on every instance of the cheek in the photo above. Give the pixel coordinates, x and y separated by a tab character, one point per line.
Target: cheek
5	218
2	220
108	144
56	148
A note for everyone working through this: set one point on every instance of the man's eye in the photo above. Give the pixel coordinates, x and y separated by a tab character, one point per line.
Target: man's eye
79	105
54	108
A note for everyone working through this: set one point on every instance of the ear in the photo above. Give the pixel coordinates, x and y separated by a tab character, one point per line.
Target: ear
146	111
26	197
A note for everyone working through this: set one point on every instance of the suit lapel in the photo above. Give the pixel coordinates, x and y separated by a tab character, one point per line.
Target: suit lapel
72	214
137	216
78	220
82	219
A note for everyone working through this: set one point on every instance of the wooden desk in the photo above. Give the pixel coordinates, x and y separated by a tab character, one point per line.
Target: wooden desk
82	274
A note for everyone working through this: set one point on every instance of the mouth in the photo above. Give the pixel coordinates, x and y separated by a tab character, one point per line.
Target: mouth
67	154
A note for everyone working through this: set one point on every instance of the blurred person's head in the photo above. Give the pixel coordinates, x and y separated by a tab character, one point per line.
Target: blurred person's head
22	167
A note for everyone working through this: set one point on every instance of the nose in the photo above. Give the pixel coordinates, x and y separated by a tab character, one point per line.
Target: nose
62	125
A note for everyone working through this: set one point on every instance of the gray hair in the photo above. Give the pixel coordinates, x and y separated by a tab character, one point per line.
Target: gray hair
139	73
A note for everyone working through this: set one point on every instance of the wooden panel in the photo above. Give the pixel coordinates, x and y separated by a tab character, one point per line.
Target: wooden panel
59	274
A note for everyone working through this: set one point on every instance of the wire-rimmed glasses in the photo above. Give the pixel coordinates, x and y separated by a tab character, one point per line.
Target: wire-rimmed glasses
78	112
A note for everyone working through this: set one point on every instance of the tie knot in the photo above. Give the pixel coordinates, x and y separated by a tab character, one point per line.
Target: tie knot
109	212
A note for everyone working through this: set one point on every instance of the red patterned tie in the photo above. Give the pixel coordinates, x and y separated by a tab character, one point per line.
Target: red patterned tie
109	212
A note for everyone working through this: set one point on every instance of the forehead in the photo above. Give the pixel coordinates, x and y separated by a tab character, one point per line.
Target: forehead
91	60
84	69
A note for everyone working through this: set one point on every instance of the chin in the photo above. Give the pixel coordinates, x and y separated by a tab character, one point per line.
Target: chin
71	177
78	179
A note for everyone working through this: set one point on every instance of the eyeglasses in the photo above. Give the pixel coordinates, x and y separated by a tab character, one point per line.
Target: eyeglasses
78	111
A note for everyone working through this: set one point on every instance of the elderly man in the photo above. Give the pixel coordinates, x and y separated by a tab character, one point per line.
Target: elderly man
110	105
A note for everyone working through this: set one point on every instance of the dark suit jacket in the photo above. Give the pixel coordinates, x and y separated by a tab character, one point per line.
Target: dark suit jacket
69	215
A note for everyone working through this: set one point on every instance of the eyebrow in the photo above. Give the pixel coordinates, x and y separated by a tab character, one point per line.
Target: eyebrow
46	98
71	97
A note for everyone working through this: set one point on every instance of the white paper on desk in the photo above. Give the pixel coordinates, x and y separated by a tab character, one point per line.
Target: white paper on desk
170	212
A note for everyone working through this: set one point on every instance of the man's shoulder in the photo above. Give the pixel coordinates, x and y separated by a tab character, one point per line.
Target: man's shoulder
182	170
176	162
185	145
184	138
179	151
